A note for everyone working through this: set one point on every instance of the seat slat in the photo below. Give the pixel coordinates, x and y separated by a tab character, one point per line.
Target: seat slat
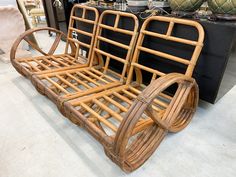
68	83
32	66
100	118
79	81
87	78
95	76
41	64
57	85
103	75
110	111
122	98
59	61
121	107
51	63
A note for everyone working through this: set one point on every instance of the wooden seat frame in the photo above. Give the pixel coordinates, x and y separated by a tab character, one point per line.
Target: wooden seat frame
50	62
131	120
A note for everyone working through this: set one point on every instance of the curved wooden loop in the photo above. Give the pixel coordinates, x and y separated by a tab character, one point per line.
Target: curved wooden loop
25	36
182	106
131	156
55	44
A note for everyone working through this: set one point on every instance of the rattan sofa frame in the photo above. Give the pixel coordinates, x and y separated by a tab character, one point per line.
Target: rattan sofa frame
128	117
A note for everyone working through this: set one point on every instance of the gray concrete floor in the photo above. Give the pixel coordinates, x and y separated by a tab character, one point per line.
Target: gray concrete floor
37	141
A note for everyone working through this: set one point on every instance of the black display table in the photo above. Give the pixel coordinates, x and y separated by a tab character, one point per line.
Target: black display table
216	68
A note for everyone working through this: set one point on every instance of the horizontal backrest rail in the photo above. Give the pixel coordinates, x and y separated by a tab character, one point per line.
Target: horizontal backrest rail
111	56
83	20
145	68
113	42
172	38
164	55
80	43
128	32
173	20
81	31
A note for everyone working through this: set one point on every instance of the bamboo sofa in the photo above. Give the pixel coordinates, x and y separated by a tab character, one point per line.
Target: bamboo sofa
128	117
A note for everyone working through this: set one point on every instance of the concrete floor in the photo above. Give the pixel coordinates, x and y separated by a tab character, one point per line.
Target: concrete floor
37	141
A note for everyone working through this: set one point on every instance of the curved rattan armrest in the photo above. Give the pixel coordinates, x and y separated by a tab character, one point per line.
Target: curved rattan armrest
142	103
25	36
186	85
150	137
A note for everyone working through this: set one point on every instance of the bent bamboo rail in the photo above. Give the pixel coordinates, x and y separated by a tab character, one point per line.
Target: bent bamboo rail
49	62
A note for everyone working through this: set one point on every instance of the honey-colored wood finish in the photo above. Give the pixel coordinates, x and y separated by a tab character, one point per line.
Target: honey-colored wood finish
128	117
69	84
131	120
49	62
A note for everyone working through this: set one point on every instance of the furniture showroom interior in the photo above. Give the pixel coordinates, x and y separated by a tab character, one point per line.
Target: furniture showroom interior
117	88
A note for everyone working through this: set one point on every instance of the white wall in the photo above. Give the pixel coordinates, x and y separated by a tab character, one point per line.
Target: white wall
8	2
